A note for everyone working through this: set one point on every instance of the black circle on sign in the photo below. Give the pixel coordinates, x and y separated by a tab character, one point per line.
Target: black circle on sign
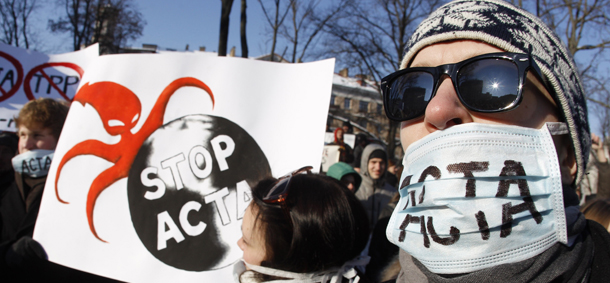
216	247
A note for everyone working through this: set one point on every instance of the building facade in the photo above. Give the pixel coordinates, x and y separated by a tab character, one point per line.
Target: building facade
358	100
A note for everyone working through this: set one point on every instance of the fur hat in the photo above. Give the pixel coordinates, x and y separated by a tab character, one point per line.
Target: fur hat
510	28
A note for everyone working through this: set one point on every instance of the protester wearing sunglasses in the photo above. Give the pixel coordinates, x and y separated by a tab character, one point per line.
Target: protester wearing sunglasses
495	131
302	227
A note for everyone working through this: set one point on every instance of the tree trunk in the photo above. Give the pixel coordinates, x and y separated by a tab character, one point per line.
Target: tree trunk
242	30
24	18
275	29
224	27
295	27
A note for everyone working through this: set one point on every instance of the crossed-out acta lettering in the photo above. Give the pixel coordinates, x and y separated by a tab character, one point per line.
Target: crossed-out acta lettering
9	76
222	147
511	168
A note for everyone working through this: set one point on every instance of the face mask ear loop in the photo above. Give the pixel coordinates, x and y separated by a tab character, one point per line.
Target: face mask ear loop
557	128
292	277
334	275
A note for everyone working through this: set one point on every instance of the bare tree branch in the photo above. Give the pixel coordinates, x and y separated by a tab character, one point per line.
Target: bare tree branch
110	22
372	37
585	26
276	23
14	22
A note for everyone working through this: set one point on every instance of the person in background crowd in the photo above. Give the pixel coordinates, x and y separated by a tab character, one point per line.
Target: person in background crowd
596	183
390	176
488	92
8	149
346	153
383	253
302	226
22	259
598	210
361	142
375	193
347	127
39	125
346	174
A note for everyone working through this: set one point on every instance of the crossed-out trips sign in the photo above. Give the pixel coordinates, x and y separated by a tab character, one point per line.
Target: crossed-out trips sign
26	75
153	169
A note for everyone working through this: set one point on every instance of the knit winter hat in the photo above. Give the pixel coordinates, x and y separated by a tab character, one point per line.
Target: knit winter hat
379	153
515	30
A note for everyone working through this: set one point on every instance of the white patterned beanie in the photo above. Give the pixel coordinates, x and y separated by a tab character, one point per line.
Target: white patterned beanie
515	30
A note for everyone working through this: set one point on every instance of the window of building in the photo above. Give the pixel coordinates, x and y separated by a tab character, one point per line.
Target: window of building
347	104
364	106
332	99
379	109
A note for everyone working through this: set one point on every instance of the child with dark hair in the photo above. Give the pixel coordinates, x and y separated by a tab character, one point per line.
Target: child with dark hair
303	227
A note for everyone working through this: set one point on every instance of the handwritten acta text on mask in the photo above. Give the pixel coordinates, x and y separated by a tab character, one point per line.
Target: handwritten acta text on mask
511	168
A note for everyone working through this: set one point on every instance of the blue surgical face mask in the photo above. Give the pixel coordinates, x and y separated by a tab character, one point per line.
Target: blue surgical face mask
476	196
33	163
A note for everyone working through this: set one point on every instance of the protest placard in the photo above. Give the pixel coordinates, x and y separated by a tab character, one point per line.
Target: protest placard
330	156
153	169
27	75
349	139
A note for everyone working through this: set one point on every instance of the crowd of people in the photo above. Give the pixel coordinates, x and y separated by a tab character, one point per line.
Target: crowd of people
27	156
499	160
496	137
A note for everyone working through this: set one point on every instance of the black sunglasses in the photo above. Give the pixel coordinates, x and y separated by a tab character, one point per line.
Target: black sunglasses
487	83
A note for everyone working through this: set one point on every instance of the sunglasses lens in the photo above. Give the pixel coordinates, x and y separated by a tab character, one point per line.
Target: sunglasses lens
489	85
408	95
277	190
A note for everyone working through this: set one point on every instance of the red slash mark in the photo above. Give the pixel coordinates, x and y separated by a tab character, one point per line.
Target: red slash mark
40	68
19	68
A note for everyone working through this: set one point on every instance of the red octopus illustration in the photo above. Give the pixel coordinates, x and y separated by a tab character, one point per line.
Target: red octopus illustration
120	109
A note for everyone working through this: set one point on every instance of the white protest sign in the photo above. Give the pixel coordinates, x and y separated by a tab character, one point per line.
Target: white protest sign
26	75
156	160
349	139
330	156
